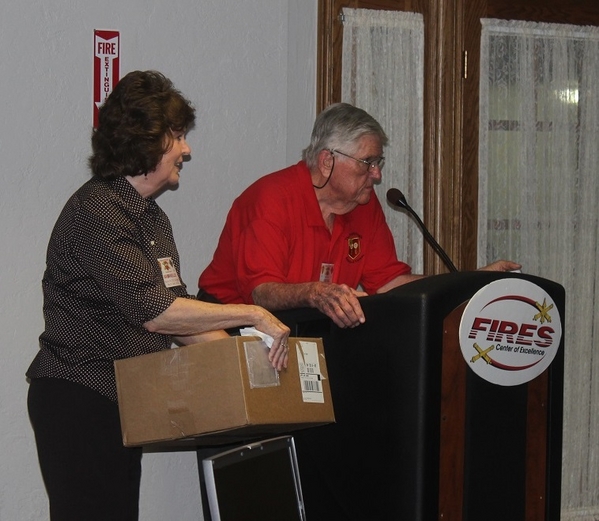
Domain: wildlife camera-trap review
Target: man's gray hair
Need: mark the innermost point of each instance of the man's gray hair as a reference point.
(339, 126)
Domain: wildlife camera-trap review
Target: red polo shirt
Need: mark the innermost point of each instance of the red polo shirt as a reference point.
(275, 232)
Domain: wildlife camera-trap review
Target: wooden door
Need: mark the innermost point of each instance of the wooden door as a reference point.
(576, 12)
(436, 95)
(451, 63)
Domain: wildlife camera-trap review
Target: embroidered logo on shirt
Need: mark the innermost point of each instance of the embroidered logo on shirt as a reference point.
(354, 247)
(169, 273)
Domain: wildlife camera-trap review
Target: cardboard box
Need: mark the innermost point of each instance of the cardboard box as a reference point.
(222, 392)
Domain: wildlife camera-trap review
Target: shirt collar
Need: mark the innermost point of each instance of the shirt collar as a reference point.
(309, 200)
(132, 197)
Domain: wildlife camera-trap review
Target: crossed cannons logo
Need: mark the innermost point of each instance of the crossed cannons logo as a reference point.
(510, 331)
(504, 328)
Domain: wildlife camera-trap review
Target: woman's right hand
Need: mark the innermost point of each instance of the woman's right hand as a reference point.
(267, 323)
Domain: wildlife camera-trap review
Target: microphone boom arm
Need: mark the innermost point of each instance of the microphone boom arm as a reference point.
(396, 198)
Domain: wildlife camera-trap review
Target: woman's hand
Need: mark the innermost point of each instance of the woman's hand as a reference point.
(272, 326)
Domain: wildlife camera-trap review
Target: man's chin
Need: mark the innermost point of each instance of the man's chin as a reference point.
(365, 198)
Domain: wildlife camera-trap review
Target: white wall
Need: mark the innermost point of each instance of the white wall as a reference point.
(249, 67)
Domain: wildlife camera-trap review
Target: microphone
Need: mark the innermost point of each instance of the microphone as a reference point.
(396, 198)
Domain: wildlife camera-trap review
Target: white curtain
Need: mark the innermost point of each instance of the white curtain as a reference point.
(383, 56)
(539, 204)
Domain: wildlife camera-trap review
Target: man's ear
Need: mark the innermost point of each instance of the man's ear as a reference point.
(325, 162)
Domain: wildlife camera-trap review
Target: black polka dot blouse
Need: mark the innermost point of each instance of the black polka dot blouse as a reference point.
(111, 266)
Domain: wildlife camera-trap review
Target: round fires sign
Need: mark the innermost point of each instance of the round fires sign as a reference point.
(510, 331)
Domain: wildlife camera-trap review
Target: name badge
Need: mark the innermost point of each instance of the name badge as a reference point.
(169, 273)
(326, 272)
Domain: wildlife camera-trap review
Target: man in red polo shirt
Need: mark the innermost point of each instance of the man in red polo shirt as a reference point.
(312, 234)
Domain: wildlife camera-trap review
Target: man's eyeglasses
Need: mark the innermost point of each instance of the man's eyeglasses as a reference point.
(371, 163)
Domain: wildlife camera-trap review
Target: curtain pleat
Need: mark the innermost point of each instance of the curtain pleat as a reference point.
(383, 70)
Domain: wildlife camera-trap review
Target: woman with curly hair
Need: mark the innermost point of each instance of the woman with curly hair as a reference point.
(112, 289)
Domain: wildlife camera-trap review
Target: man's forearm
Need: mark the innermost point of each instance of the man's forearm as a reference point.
(399, 281)
(338, 301)
(276, 296)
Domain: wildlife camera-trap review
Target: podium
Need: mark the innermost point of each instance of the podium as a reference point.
(419, 435)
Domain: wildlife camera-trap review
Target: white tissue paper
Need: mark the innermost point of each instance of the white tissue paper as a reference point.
(250, 331)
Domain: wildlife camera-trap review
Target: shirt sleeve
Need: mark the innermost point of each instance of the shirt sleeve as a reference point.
(263, 256)
(113, 252)
(381, 264)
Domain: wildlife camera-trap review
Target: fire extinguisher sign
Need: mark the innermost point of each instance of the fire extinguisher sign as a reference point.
(106, 66)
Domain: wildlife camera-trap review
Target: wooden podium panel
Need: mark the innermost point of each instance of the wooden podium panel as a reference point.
(523, 494)
(419, 436)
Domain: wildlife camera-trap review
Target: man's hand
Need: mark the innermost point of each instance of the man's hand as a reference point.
(337, 301)
(340, 303)
(502, 265)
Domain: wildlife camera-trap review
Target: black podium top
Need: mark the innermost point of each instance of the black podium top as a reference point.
(380, 460)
